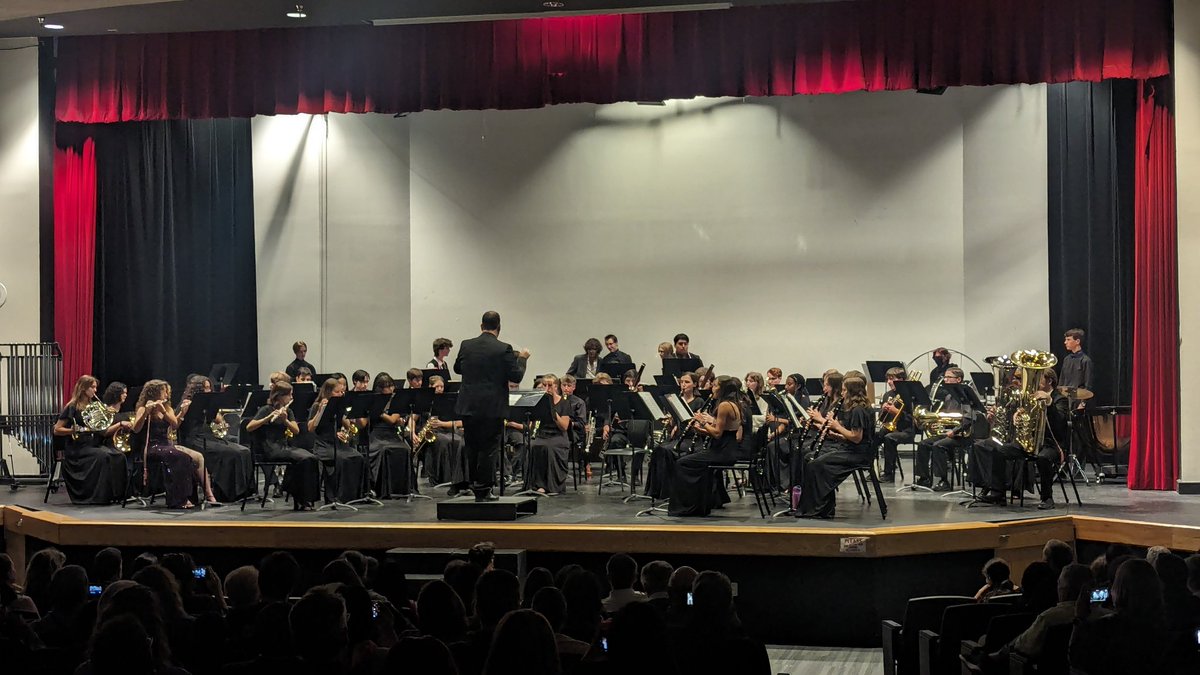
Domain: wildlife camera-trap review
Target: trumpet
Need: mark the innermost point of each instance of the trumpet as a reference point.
(889, 424)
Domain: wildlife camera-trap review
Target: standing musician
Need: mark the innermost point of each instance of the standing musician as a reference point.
(487, 366)
(681, 348)
(549, 452)
(389, 456)
(692, 493)
(849, 445)
(904, 431)
(343, 464)
(441, 349)
(415, 378)
(444, 459)
(93, 472)
(941, 356)
(934, 453)
(1076, 370)
(587, 364)
(184, 468)
(300, 350)
(269, 432)
(230, 467)
(989, 459)
(614, 355)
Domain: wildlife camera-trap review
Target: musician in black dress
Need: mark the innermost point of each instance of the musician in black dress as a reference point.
(115, 395)
(693, 493)
(300, 349)
(806, 438)
(343, 464)
(848, 444)
(989, 465)
(677, 442)
(549, 451)
(270, 431)
(446, 460)
(904, 431)
(93, 472)
(229, 464)
(184, 468)
(389, 452)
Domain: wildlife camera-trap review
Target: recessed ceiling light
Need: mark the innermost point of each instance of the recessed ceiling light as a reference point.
(112, 30)
(554, 4)
(49, 26)
(298, 13)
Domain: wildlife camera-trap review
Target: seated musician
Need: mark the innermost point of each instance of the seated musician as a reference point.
(794, 385)
(93, 471)
(549, 451)
(441, 349)
(676, 442)
(587, 364)
(389, 454)
(774, 378)
(415, 378)
(270, 429)
(806, 438)
(361, 380)
(692, 491)
(304, 375)
(934, 453)
(848, 444)
(989, 459)
(665, 351)
(279, 376)
(446, 461)
(230, 467)
(602, 378)
(342, 463)
(514, 446)
(579, 414)
(904, 430)
(765, 426)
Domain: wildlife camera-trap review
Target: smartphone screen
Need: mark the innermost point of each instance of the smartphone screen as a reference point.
(690, 599)
(374, 610)
(199, 573)
(95, 590)
(1100, 595)
(604, 643)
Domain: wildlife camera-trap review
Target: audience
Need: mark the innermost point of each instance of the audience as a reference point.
(996, 580)
(497, 593)
(1058, 554)
(550, 603)
(523, 644)
(622, 572)
(656, 579)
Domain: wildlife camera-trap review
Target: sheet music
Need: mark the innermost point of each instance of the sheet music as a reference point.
(678, 407)
(656, 412)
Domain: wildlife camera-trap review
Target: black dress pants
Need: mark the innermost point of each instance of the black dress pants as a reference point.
(482, 438)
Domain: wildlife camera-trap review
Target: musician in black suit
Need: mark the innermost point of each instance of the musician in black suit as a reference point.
(587, 364)
(614, 355)
(487, 365)
(681, 348)
(300, 349)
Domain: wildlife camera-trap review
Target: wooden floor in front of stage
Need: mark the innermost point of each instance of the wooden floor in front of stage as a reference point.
(917, 522)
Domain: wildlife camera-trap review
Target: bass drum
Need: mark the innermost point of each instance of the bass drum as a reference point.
(1101, 436)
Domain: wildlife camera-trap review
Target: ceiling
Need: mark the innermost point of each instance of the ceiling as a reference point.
(18, 18)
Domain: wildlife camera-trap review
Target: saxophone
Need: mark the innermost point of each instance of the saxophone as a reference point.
(425, 436)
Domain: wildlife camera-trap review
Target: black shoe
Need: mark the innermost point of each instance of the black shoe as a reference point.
(486, 496)
(887, 478)
(942, 486)
(1047, 504)
(924, 482)
(992, 497)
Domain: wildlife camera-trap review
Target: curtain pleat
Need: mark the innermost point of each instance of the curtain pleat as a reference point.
(74, 258)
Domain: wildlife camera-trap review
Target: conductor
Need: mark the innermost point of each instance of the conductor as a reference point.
(487, 365)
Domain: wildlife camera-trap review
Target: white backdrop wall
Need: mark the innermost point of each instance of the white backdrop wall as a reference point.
(803, 232)
(1187, 148)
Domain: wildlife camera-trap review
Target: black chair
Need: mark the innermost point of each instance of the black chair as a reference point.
(1027, 470)
(1053, 659)
(625, 464)
(862, 475)
(900, 639)
(938, 652)
(1001, 630)
(57, 447)
(270, 471)
(743, 474)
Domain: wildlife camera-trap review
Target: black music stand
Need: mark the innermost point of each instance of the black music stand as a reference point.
(676, 367)
(814, 386)
(582, 386)
(336, 410)
(221, 375)
(666, 381)
(985, 383)
(617, 370)
(914, 395)
(877, 372)
(443, 408)
(358, 406)
(522, 408)
(427, 373)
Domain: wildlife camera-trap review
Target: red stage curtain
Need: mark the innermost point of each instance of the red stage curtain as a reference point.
(74, 258)
(782, 50)
(1154, 449)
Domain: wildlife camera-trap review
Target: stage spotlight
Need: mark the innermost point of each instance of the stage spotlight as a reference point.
(49, 26)
(298, 13)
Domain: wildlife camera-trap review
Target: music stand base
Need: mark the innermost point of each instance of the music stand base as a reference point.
(333, 506)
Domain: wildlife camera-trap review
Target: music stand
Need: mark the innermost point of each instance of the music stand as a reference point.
(665, 381)
(427, 373)
(336, 410)
(525, 407)
(442, 407)
(814, 386)
(617, 370)
(677, 367)
(914, 396)
(358, 406)
(985, 383)
(222, 374)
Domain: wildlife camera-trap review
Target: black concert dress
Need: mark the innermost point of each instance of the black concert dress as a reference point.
(229, 465)
(179, 468)
(94, 473)
(302, 478)
(389, 456)
(445, 457)
(692, 493)
(343, 481)
(549, 453)
(836, 460)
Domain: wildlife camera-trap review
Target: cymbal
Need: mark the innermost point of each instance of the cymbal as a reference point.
(1075, 393)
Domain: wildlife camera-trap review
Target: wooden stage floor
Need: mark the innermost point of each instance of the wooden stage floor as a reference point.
(917, 523)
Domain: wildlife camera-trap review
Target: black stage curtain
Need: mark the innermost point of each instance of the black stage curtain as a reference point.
(1090, 155)
(175, 279)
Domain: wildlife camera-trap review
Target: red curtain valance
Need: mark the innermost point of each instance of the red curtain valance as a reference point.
(528, 63)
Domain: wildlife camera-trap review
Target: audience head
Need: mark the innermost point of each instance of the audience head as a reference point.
(482, 555)
(142, 604)
(537, 579)
(359, 615)
(1058, 554)
(180, 565)
(1137, 592)
(996, 571)
(122, 646)
(143, 560)
(39, 571)
(278, 575)
(340, 571)
(680, 585)
(358, 562)
(1153, 552)
(106, 566)
(165, 588)
(622, 571)
(1172, 572)
(656, 577)
(550, 603)
(241, 586)
(1193, 565)
(1099, 568)
(318, 625)
(712, 600)
(1071, 581)
(636, 638)
(584, 605)
(68, 588)
(1038, 587)
(497, 593)
(440, 612)
(523, 643)
(566, 572)
(462, 575)
(424, 655)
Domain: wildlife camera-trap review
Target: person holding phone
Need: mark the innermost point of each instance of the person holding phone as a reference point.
(1130, 639)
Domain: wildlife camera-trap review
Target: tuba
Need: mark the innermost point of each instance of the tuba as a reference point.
(1029, 420)
(935, 422)
(1007, 397)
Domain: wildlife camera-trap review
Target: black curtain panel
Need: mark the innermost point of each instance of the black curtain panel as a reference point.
(1090, 157)
(175, 279)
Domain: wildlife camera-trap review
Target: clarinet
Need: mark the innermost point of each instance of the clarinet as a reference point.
(837, 407)
(690, 432)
